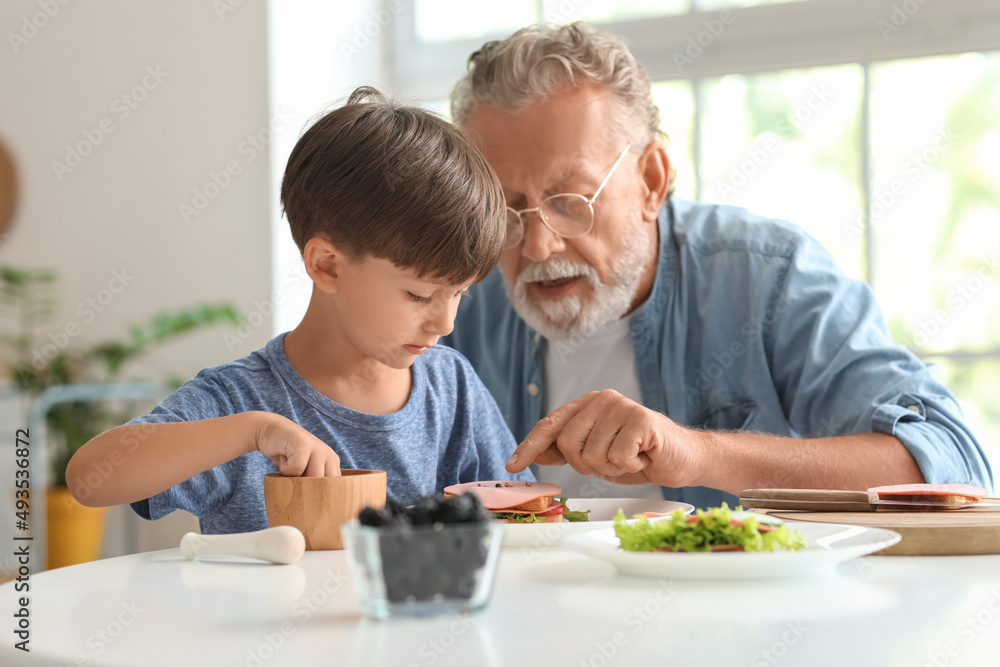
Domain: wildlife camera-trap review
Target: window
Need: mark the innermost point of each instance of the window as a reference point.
(870, 123)
(785, 145)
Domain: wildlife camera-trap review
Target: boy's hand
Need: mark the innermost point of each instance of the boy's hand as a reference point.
(296, 451)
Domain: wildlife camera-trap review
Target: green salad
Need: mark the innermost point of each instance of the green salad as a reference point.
(716, 529)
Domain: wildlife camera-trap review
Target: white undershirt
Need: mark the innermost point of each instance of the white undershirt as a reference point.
(572, 368)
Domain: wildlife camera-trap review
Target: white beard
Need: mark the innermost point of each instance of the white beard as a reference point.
(571, 317)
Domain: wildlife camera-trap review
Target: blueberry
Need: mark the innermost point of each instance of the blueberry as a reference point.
(460, 586)
(419, 563)
(426, 510)
(435, 580)
(370, 516)
(401, 583)
(392, 514)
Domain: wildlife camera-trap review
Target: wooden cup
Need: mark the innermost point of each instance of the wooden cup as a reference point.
(319, 505)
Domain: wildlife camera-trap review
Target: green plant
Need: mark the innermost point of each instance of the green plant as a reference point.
(37, 362)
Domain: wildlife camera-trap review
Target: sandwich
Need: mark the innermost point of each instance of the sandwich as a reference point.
(513, 501)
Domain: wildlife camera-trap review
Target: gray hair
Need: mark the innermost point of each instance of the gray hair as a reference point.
(535, 61)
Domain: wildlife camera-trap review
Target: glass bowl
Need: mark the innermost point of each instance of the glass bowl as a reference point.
(423, 570)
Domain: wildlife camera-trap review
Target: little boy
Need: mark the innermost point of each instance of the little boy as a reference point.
(396, 214)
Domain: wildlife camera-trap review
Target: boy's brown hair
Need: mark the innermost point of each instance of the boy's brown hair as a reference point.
(379, 179)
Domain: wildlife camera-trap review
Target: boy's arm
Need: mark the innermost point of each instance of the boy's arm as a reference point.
(137, 461)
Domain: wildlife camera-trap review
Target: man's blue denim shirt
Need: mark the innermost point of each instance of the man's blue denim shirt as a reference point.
(750, 326)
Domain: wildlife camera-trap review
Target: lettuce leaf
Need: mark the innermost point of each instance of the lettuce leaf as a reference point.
(518, 518)
(715, 526)
(574, 515)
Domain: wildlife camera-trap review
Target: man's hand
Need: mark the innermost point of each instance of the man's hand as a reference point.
(612, 437)
(296, 451)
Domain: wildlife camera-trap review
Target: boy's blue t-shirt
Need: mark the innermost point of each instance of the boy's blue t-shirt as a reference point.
(450, 431)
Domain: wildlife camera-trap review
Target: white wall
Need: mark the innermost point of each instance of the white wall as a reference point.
(117, 210)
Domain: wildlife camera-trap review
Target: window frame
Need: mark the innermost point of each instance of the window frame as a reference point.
(795, 35)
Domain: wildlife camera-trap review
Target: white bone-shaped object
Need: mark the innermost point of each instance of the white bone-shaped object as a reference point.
(278, 544)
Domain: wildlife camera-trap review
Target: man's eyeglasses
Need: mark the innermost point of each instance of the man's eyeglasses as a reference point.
(568, 215)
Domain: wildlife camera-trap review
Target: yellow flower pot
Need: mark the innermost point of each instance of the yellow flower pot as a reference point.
(75, 531)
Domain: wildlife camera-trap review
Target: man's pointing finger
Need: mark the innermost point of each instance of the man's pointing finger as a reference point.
(543, 437)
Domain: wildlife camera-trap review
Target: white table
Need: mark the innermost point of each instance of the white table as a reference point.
(550, 607)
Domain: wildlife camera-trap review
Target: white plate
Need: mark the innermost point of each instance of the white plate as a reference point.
(602, 511)
(828, 543)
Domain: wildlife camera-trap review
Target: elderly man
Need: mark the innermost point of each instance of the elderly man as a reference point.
(695, 349)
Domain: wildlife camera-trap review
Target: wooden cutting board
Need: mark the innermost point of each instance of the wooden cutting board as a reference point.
(947, 533)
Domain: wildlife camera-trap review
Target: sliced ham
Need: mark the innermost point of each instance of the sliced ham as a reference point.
(929, 491)
(499, 495)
